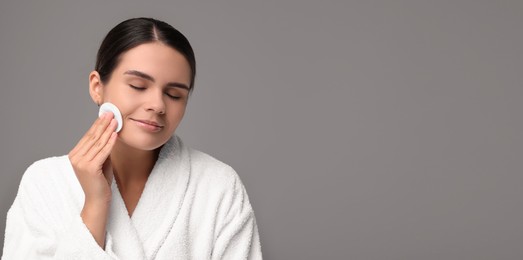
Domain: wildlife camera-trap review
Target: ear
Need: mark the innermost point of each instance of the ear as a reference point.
(96, 88)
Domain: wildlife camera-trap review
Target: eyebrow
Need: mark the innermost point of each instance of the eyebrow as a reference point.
(150, 78)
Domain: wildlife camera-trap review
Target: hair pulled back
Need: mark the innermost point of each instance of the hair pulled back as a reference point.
(133, 32)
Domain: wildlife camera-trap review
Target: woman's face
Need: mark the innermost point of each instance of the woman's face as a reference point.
(150, 87)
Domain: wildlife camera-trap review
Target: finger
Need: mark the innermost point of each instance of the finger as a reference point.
(102, 141)
(92, 136)
(84, 138)
(80, 147)
(104, 153)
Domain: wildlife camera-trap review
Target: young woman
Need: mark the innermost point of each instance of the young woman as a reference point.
(139, 193)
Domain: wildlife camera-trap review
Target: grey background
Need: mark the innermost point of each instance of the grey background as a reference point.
(361, 129)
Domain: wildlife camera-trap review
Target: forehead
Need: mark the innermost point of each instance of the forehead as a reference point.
(162, 62)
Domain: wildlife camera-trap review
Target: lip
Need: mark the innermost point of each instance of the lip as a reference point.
(150, 126)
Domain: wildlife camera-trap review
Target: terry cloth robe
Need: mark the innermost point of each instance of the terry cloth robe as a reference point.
(192, 207)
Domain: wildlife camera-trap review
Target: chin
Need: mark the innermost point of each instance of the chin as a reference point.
(145, 143)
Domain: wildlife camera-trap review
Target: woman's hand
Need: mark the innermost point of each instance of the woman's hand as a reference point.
(91, 163)
(92, 166)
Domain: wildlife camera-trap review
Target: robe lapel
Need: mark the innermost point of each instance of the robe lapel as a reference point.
(162, 197)
(125, 241)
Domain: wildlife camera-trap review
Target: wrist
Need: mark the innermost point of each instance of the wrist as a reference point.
(98, 201)
(96, 206)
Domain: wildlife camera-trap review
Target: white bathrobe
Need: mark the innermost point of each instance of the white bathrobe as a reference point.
(192, 207)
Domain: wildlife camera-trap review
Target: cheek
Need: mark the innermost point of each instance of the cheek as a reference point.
(121, 98)
(111, 93)
(176, 114)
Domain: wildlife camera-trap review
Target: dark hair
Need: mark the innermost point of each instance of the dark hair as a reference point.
(133, 32)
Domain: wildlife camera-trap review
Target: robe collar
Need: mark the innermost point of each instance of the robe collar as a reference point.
(142, 235)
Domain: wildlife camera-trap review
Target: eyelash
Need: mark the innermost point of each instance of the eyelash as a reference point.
(137, 88)
(142, 89)
(173, 97)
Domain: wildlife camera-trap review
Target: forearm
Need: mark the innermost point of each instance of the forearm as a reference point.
(94, 215)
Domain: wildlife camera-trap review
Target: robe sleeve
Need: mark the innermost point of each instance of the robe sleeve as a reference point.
(30, 235)
(238, 236)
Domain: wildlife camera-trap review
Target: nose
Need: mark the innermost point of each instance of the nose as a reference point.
(155, 102)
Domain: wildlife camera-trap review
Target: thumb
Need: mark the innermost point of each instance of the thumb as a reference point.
(107, 170)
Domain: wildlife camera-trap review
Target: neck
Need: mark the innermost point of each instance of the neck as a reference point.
(132, 166)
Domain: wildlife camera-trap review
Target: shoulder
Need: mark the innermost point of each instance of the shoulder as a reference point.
(45, 188)
(49, 193)
(46, 174)
(219, 185)
(204, 161)
(45, 168)
(208, 171)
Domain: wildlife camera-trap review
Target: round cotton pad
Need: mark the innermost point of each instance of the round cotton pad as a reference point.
(109, 107)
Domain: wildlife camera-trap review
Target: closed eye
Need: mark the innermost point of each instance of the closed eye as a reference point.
(144, 88)
(173, 97)
(137, 88)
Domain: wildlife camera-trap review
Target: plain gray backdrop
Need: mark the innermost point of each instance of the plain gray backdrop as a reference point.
(361, 129)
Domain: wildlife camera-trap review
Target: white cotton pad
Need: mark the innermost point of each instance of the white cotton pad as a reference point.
(109, 107)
